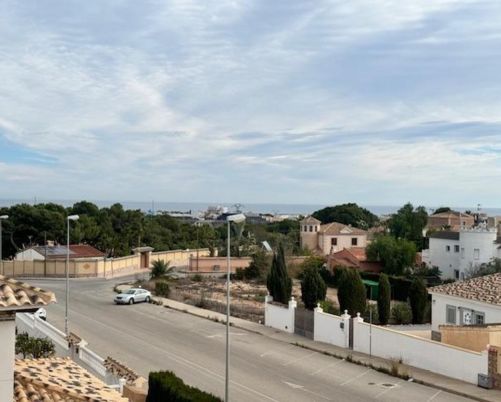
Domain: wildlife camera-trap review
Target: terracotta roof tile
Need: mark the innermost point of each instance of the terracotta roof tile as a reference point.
(310, 220)
(59, 380)
(19, 294)
(486, 289)
(336, 228)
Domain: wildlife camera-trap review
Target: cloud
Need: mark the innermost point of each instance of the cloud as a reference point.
(263, 101)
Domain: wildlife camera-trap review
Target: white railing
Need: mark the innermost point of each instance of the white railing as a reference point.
(93, 360)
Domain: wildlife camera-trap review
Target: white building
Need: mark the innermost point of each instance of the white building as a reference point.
(456, 253)
(469, 302)
(331, 237)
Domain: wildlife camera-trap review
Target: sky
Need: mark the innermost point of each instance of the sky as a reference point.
(284, 101)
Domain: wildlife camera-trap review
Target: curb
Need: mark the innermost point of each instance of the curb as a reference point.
(324, 352)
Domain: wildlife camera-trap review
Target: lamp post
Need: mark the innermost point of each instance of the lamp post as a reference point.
(2, 217)
(237, 218)
(68, 219)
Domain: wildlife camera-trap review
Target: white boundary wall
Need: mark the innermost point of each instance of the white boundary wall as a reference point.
(331, 328)
(434, 356)
(38, 328)
(278, 316)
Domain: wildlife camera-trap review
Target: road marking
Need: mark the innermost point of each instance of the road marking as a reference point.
(319, 395)
(434, 395)
(384, 391)
(355, 378)
(298, 359)
(292, 385)
(326, 367)
(214, 336)
(302, 388)
(269, 352)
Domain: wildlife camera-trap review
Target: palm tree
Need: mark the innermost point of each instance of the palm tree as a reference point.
(161, 269)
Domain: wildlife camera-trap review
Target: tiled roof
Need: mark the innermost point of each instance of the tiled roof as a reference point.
(445, 234)
(57, 380)
(19, 295)
(486, 289)
(310, 220)
(76, 251)
(336, 228)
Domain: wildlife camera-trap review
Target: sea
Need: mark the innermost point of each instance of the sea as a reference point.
(195, 207)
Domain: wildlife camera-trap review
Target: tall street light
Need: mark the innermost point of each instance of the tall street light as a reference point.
(237, 218)
(68, 219)
(2, 217)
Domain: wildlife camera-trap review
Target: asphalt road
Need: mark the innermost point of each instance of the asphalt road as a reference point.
(148, 337)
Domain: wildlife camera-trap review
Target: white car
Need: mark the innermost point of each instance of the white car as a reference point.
(133, 295)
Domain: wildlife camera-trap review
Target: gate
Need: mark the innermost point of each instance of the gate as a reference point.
(350, 334)
(304, 322)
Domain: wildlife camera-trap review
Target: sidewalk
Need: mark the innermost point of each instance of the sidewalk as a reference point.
(418, 375)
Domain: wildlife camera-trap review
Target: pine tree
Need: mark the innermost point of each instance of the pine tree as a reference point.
(418, 296)
(351, 292)
(313, 288)
(278, 282)
(384, 299)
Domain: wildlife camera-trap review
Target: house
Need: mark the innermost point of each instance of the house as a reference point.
(457, 253)
(354, 257)
(331, 237)
(58, 252)
(475, 301)
(450, 220)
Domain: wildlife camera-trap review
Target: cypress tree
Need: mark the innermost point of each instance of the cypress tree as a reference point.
(279, 283)
(351, 292)
(418, 296)
(313, 288)
(384, 299)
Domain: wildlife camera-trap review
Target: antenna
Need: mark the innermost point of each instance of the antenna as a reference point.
(238, 207)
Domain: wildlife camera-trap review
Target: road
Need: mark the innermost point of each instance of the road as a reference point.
(148, 337)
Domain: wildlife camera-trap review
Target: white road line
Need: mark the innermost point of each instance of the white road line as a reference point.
(434, 396)
(314, 393)
(298, 359)
(355, 378)
(269, 352)
(326, 367)
(384, 391)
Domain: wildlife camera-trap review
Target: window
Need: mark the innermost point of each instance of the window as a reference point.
(305, 228)
(462, 252)
(315, 228)
(456, 248)
(476, 253)
(311, 228)
(479, 318)
(334, 241)
(354, 241)
(448, 248)
(456, 273)
(450, 315)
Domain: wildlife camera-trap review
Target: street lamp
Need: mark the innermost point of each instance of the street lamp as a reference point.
(2, 217)
(68, 219)
(237, 218)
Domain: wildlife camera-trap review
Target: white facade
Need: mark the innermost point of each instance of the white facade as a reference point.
(455, 257)
(449, 310)
(29, 254)
(8, 337)
(334, 243)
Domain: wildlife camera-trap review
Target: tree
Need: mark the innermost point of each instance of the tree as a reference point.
(279, 283)
(418, 297)
(384, 299)
(313, 288)
(34, 348)
(395, 254)
(408, 223)
(258, 267)
(348, 214)
(442, 209)
(351, 292)
(160, 268)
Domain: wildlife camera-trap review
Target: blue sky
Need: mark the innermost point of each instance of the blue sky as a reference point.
(378, 102)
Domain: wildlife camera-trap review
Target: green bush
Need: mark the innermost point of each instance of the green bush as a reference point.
(401, 313)
(384, 299)
(162, 289)
(239, 274)
(329, 307)
(279, 283)
(313, 287)
(166, 386)
(34, 348)
(197, 278)
(399, 285)
(375, 315)
(418, 296)
(351, 293)
(160, 268)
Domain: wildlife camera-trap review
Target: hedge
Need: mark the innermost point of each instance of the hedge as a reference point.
(165, 386)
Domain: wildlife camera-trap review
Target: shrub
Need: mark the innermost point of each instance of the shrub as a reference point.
(162, 289)
(166, 386)
(375, 315)
(329, 307)
(197, 278)
(258, 267)
(239, 274)
(384, 300)
(418, 297)
(401, 313)
(34, 348)
(159, 268)
(279, 283)
(351, 292)
(313, 287)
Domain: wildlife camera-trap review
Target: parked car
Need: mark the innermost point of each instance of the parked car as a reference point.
(133, 295)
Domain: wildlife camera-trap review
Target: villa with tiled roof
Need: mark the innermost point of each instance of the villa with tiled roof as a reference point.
(469, 302)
